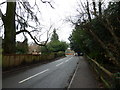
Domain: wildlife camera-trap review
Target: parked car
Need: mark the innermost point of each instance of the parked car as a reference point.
(75, 54)
(80, 54)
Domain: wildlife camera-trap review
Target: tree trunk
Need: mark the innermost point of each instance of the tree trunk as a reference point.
(10, 31)
(109, 54)
(94, 8)
(88, 12)
(100, 9)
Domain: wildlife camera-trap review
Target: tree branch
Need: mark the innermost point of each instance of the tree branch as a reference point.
(2, 3)
(2, 16)
(48, 3)
(34, 38)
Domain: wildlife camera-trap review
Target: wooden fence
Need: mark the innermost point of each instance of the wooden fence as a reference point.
(14, 60)
(110, 80)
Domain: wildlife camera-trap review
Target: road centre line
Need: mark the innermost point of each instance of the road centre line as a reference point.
(59, 64)
(41, 72)
(62, 62)
(33, 76)
(68, 59)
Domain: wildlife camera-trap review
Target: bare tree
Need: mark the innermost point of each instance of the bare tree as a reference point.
(16, 21)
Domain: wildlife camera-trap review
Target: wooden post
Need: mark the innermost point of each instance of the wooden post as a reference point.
(116, 82)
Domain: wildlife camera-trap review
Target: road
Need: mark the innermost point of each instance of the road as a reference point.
(55, 74)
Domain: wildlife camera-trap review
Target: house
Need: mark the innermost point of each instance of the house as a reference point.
(34, 49)
(69, 52)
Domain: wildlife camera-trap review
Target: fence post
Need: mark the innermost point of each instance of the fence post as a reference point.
(116, 82)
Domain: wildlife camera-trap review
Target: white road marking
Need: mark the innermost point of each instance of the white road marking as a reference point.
(73, 77)
(68, 59)
(33, 76)
(41, 72)
(62, 62)
(59, 64)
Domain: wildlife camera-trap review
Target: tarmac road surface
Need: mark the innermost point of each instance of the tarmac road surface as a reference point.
(55, 74)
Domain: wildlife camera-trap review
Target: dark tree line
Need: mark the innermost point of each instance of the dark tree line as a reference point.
(98, 35)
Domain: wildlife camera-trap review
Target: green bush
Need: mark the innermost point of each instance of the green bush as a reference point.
(61, 53)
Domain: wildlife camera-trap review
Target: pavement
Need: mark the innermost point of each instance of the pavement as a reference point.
(83, 76)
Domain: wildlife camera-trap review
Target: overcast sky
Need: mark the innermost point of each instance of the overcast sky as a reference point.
(62, 10)
(57, 16)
